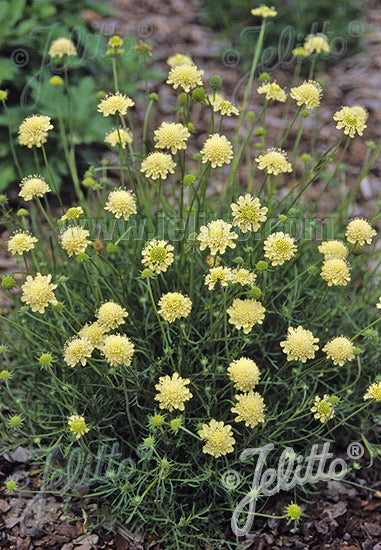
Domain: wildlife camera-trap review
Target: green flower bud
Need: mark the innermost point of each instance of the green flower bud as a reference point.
(370, 144)
(157, 420)
(238, 260)
(15, 421)
(305, 113)
(215, 83)
(45, 359)
(198, 95)
(83, 257)
(22, 212)
(11, 485)
(153, 96)
(190, 127)
(60, 223)
(112, 248)
(56, 80)
(62, 279)
(357, 351)
(312, 270)
(164, 463)
(261, 265)
(58, 307)
(260, 132)
(264, 77)
(333, 399)
(8, 283)
(255, 293)
(88, 182)
(3, 199)
(282, 218)
(189, 179)
(175, 423)
(306, 157)
(197, 156)
(148, 442)
(5, 374)
(101, 94)
(147, 273)
(3, 95)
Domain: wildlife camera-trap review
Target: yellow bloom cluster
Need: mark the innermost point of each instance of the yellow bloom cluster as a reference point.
(77, 350)
(335, 271)
(174, 305)
(111, 315)
(119, 137)
(74, 240)
(279, 247)
(62, 46)
(38, 292)
(173, 392)
(359, 231)
(33, 131)
(118, 350)
(316, 43)
(248, 213)
(244, 373)
(332, 249)
(33, 186)
(179, 59)
(94, 333)
(243, 277)
(157, 165)
(300, 344)
(121, 203)
(72, 213)
(77, 425)
(274, 161)
(264, 11)
(374, 392)
(115, 104)
(216, 235)
(217, 150)
(272, 90)
(340, 349)
(222, 275)
(349, 119)
(219, 438)
(157, 256)
(307, 94)
(245, 314)
(323, 409)
(171, 135)
(21, 242)
(249, 408)
(186, 76)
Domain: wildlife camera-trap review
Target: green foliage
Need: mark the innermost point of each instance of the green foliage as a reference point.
(341, 21)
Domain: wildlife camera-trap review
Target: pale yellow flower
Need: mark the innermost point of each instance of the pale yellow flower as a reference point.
(219, 438)
(335, 271)
(316, 43)
(264, 11)
(359, 231)
(115, 103)
(279, 247)
(33, 186)
(172, 392)
(77, 350)
(173, 306)
(245, 314)
(217, 150)
(323, 409)
(300, 344)
(374, 392)
(74, 240)
(340, 349)
(179, 59)
(244, 373)
(111, 315)
(72, 213)
(171, 135)
(62, 46)
(121, 203)
(157, 255)
(119, 137)
(249, 408)
(33, 131)
(186, 76)
(78, 426)
(21, 242)
(94, 333)
(222, 275)
(307, 94)
(217, 235)
(274, 161)
(350, 120)
(272, 90)
(248, 213)
(157, 165)
(118, 350)
(38, 292)
(332, 249)
(243, 277)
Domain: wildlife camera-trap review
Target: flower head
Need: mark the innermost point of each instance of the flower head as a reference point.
(157, 165)
(316, 43)
(378, 306)
(179, 59)
(350, 119)
(171, 135)
(222, 275)
(272, 90)
(111, 315)
(121, 203)
(274, 161)
(264, 11)
(94, 333)
(33, 186)
(186, 76)
(293, 511)
(217, 150)
(219, 438)
(217, 235)
(359, 231)
(74, 240)
(174, 305)
(38, 292)
(332, 249)
(118, 350)
(21, 242)
(72, 213)
(172, 392)
(323, 408)
(221, 105)
(335, 271)
(245, 314)
(115, 103)
(307, 94)
(243, 277)
(77, 425)
(121, 137)
(157, 256)
(299, 52)
(244, 373)
(279, 247)
(62, 46)
(360, 112)
(300, 344)
(339, 349)
(77, 350)
(33, 130)
(248, 213)
(249, 408)
(374, 392)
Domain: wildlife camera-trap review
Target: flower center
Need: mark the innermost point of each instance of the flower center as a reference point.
(78, 425)
(249, 213)
(377, 394)
(282, 245)
(158, 254)
(324, 408)
(351, 120)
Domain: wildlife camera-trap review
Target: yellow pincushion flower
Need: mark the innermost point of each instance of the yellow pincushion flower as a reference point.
(299, 52)
(339, 349)
(33, 186)
(77, 425)
(264, 11)
(248, 213)
(274, 161)
(332, 249)
(74, 240)
(360, 112)
(243, 277)
(244, 373)
(272, 90)
(118, 350)
(157, 165)
(111, 315)
(217, 235)
(115, 103)
(157, 256)
(374, 392)
(171, 135)
(249, 408)
(219, 438)
(121, 137)
(173, 392)
(307, 94)
(378, 306)
(293, 511)
(77, 350)
(217, 150)
(221, 105)
(279, 247)
(94, 333)
(245, 314)
(335, 271)
(33, 131)
(179, 59)
(323, 409)
(62, 46)
(300, 344)
(121, 203)
(186, 76)
(350, 120)
(38, 292)
(222, 275)
(72, 213)
(174, 305)
(21, 242)
(359, 231)
(316, 43)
